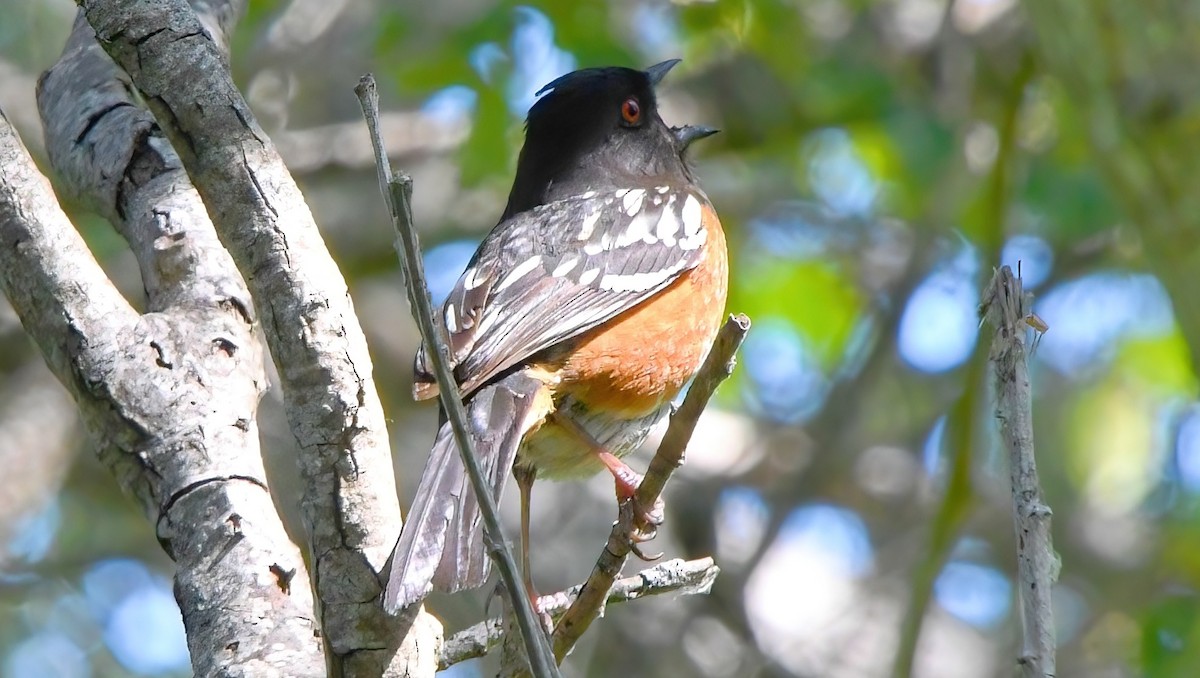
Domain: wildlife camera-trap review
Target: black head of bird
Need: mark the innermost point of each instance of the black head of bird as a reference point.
(598, 129)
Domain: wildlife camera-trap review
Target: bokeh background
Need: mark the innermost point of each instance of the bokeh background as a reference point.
(877, 160)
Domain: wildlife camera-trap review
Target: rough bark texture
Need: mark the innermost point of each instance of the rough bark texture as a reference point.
(169, 399)
(169, 396)
(349, 505)
(1037, 563)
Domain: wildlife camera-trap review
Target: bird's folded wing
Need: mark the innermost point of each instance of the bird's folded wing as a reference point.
(561, 269)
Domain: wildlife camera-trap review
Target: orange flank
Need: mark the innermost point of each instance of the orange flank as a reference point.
(637, 362)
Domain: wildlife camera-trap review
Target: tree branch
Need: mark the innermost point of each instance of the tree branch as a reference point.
(349, 505)
(961, 424)
(683, 577)
(717, 367)
(398, 193)
(163, 396)
(1006, 307)
(172, 405)
(111, 154)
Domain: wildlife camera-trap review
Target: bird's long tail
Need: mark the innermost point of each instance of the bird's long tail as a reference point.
(441, 545)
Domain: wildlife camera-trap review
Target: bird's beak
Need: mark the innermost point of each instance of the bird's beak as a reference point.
(684, 136)
(658, 71)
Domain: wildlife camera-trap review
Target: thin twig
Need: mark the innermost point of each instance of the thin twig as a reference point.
(717, 367)
(398, 192)
(1005, 307)
(956, 503)
(682, 577)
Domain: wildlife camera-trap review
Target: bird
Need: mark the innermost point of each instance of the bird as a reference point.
(581, 315)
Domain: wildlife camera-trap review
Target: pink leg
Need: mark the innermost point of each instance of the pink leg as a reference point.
(525, 477)
(645, 520)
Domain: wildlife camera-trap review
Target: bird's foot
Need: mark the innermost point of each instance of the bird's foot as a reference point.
(642, 521)
(535, 602)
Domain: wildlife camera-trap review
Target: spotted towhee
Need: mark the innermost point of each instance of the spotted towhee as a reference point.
(581, 315)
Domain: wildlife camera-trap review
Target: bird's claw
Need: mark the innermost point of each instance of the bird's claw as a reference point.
(637, 551)
(641, 525)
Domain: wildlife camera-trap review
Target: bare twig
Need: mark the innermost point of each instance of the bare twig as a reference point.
(682, 577)
(1006, 308)
(398, 192)
(956, 503)
(592, 596)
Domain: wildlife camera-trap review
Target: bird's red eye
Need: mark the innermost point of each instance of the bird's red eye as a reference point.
(631, 111)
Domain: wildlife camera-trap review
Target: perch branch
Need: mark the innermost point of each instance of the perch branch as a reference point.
(682, 577)
(592, 596)
(1006, 308)
(397, 191)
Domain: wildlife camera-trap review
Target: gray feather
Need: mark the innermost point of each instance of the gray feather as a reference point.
(442, 544)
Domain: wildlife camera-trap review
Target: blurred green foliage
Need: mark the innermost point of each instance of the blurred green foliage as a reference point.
(961, 125)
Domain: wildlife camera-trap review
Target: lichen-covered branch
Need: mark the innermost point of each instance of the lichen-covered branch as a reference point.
(349, 505)
(169, 398)
(680, 577)
(1006, 308)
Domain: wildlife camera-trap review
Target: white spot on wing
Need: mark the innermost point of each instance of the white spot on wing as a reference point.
(621, 192)
(451, 319)
(637, 230)
(638, 282)
(633, 201)
(564, 267)
(473, 279)
(662, 189)
(520, 271)
(668, 224)
(694, 241)
(593, 248)
(693, 224)
(587, 195)
(588, 276)
(692, 216)
(589, 225)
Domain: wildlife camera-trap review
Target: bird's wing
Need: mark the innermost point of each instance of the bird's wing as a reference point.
(556, 271)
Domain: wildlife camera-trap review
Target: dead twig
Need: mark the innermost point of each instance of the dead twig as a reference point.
(1005, 306)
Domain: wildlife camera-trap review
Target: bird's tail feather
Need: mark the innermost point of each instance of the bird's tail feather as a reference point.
(442, 545)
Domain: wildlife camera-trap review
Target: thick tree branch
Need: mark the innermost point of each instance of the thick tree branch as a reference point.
(111, 154)
(169, 401)
(58, 290)
(682, 577)
(717, 367)
(1006, 308)
(349, 503)
(173, 408)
